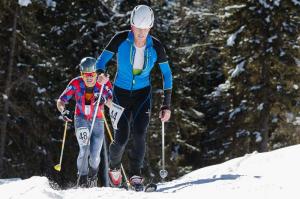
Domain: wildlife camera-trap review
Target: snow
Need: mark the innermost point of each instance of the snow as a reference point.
(57, 29)
(51, 3)
(232, 37)
(297, 121)
(41, 90)
(296, 2)
(258, 137)
(295, 86)
(238, 69)
(267, 19)
(257, 87)
(4, 181)
(227, 8)
(257, 175)
(289, 117)
(242, 133)
(270, 40)
(39, 102)
(197, 113)
(100, 24)
(221, 88)
(5, 97)
(282, 53)
(269, 5)
(234, 112)
(279, 88)
(297, 61)
(260, 107)
(277, 3)
(275, 120)
(269, 49)
(24, 3)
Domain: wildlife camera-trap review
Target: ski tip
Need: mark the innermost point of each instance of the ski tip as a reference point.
(151, 187)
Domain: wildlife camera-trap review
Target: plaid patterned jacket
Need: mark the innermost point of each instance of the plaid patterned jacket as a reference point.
(76, 88)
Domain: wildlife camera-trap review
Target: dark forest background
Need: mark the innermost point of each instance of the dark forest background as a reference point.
(236, 79)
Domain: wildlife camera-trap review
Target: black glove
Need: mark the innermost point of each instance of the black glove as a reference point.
(66, 116)
(166, 103)
(102, 100)
(164, 107)
(99, 71)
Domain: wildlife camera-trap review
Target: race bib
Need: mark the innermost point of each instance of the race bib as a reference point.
(83, 134)
(115, 113)
(87, 110)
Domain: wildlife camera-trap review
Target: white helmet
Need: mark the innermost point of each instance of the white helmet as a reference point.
(142, 16)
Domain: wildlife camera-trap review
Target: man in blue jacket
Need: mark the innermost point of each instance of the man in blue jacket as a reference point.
(137, 53)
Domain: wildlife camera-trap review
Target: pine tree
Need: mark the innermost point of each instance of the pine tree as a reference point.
(7, 89)
(50, 41)
(262, 81)
(189, 33)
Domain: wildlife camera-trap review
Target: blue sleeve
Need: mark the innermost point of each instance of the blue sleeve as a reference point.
(111, 49)
(167, 75)
(102, 60)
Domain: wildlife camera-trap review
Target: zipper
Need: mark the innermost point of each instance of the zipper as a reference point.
(146, 63)
(132, 54)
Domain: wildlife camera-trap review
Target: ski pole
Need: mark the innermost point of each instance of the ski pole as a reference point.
(107, 128)
(91, 130)
(163, 172)
(111, 140)
(104, 155)
(58, 166)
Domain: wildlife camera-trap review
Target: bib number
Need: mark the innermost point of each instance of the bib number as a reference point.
(87, 110)
(82, 134)
(115, 113)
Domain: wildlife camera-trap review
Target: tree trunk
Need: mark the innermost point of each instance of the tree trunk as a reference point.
(7, 90)
(265, 112)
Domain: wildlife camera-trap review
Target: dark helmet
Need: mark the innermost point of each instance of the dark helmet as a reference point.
(87, 65)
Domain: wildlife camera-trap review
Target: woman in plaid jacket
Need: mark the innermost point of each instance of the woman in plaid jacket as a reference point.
(86, 90)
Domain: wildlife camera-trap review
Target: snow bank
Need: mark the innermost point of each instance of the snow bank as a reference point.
(257, 175)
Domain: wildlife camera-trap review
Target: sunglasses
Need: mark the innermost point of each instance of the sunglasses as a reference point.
(91, 74)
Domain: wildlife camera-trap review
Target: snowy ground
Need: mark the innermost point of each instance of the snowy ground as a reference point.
(273, 175)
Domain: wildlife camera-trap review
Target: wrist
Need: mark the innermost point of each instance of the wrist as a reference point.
(166, 103)
(60, 105)
(165, 107)
(61, 109)
(99, 71)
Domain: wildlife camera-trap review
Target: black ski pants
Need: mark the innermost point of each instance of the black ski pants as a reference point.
(136, 117)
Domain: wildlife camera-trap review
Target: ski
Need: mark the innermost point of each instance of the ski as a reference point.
(151, 187)
(135, 185)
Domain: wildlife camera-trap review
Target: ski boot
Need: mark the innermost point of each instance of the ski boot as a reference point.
(92, 179)
(137, 183)
(83, 181)
(115, 177)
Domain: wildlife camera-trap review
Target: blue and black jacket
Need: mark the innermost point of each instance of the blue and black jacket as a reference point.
(122, 44)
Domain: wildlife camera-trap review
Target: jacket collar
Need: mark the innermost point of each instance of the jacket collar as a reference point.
(149, 41)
